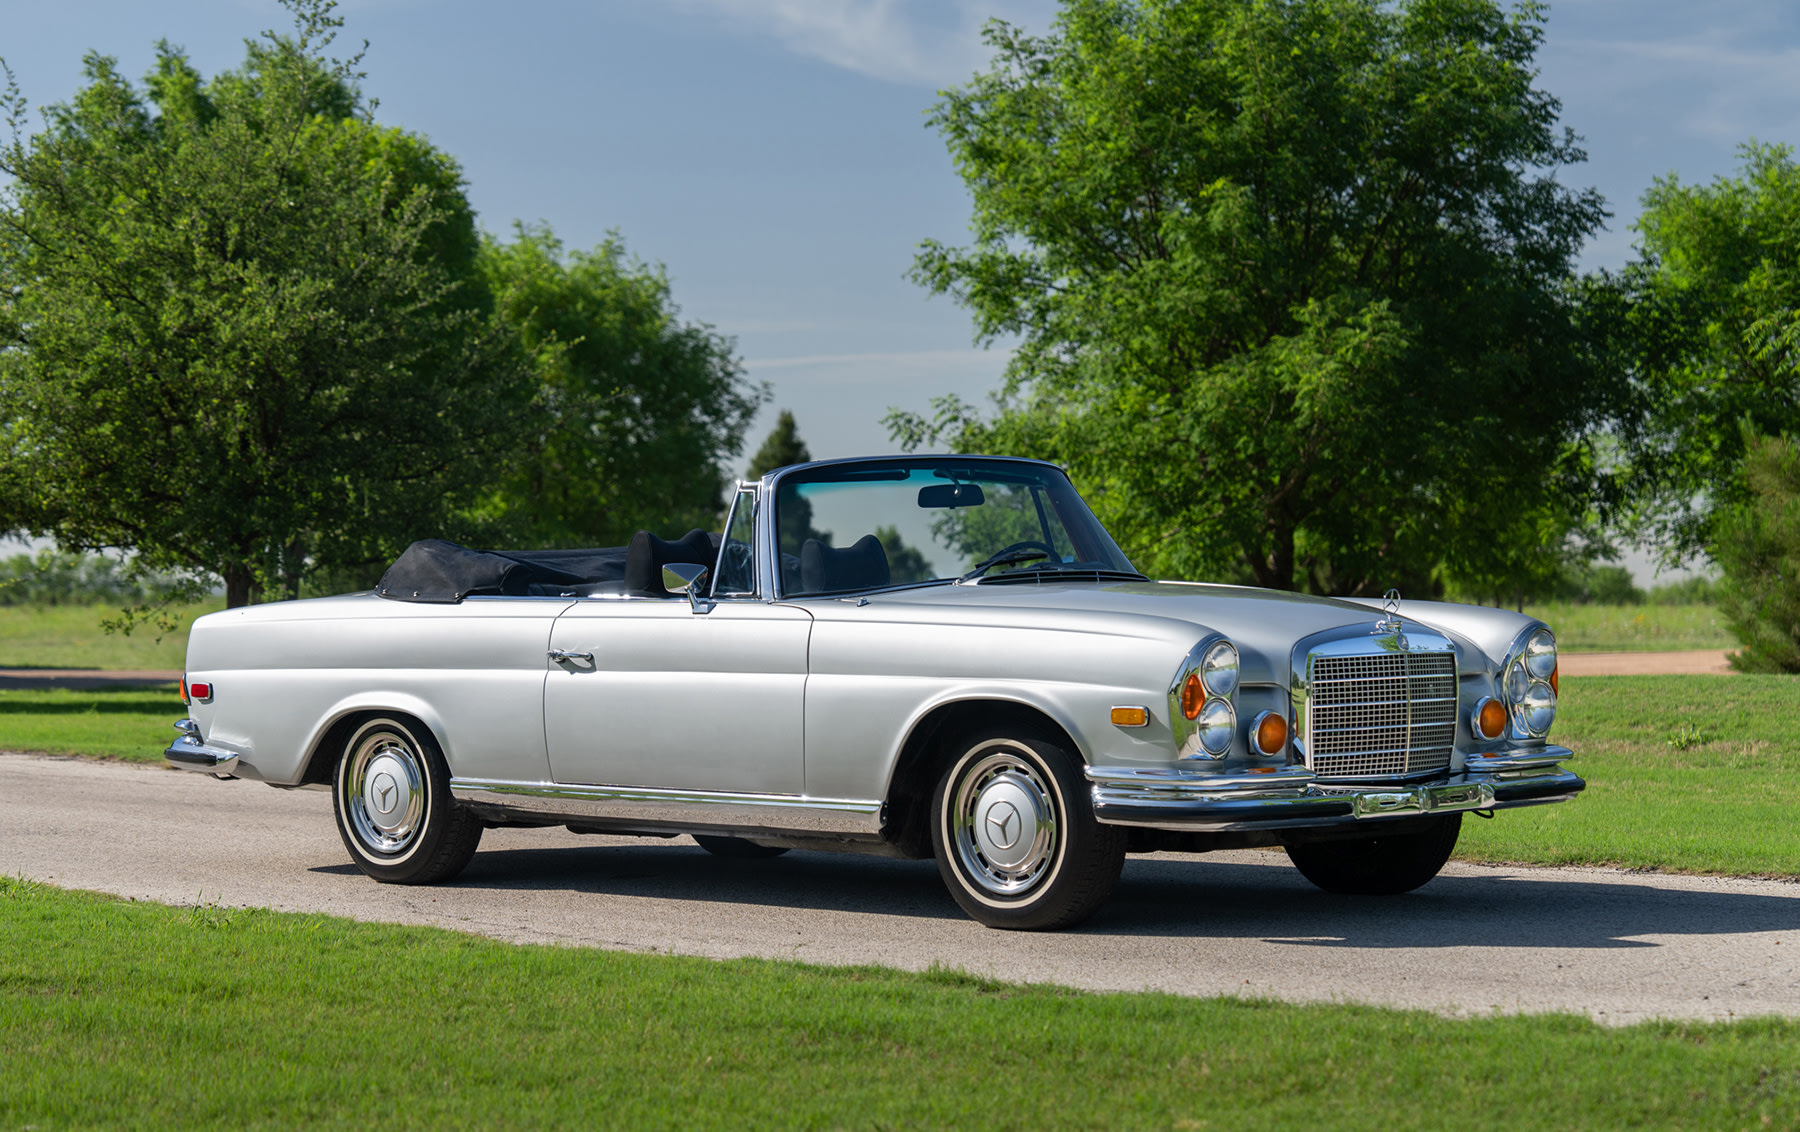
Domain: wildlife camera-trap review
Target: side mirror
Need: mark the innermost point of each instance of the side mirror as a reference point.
(688, 578)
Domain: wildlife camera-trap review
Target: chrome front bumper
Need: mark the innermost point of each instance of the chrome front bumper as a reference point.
(189, 752)
(1293, 797)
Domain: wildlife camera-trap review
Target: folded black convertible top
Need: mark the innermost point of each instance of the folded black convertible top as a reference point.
(433, 570)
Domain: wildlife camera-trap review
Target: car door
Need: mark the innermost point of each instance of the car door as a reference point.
(677, 699)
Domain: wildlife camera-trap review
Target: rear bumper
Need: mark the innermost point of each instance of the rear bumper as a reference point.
(1292, 798)
(189, 752)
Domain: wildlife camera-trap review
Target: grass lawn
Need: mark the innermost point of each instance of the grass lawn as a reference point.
(118, 723)
(1695, 773)
(115, 1013)
(70, 636)
(1635, 628)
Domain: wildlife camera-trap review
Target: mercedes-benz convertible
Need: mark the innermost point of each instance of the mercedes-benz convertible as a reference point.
(920, 656)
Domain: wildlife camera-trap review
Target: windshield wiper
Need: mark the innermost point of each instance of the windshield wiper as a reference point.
(1010, 558)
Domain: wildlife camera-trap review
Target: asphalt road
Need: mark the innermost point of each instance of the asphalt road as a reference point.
(1618, 946)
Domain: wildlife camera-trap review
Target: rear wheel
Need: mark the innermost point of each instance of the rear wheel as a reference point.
(391, 794)
(737, 848)
(1383, 865)
(1016, 841)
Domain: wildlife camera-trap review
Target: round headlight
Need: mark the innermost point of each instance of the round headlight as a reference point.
(1215, 726)
(1538, 709)
(1220, 669)
(1517, 682)
(1540, 654)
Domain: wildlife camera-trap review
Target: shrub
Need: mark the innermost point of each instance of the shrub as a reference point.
(54, 577)
(1757, 545)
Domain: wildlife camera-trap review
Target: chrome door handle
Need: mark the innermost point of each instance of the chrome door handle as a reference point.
(560, 655)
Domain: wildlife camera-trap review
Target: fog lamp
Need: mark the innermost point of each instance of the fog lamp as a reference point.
(1488, 720)
(1269, 734)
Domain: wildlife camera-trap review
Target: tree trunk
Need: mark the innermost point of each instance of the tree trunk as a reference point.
(238, 585)
(1274, 569)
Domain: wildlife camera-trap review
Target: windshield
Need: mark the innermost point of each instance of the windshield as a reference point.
(887, 523)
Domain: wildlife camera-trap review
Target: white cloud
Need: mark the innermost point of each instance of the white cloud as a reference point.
(895, 368)
(1714, 89)
(903, 41)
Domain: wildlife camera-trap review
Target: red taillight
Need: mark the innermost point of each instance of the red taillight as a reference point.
(201, 692)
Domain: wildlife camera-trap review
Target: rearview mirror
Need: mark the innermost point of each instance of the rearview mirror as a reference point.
(952, 495)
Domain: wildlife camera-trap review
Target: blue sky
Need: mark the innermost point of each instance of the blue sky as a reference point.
(773, 153)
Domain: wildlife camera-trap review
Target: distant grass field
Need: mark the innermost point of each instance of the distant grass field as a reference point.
(121, 1014)
(70, 636)
(1635, 628)
(1693, 773)
(116, 723)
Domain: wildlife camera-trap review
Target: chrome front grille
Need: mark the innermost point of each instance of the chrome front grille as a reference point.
(1381, 714)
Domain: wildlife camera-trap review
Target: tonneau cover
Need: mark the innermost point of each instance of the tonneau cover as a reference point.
(433, 570)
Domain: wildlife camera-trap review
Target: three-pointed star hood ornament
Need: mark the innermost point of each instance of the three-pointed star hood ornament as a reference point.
(1390, 613)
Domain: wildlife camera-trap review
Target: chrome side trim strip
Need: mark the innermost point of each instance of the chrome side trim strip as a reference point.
(789, 813)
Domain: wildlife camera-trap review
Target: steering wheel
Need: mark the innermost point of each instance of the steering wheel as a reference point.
(1026, 544)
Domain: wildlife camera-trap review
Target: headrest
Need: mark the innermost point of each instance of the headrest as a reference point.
(646, 555)
(863, 565)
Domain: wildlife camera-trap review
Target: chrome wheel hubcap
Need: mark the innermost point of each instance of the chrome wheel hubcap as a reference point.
(1004, 824)
(386, 792)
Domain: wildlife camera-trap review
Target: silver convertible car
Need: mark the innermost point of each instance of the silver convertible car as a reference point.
(921, 656)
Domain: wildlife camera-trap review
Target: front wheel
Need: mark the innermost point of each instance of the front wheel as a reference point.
(391, 795)
(1016, 841)
(1384, 865)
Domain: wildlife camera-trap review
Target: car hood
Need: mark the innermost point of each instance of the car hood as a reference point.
(1264, 624)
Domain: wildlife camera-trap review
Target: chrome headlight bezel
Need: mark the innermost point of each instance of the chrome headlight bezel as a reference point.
(1212, 664)
(1527, 683)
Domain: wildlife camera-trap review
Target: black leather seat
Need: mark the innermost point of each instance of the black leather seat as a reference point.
(863, 565)
(646, 555)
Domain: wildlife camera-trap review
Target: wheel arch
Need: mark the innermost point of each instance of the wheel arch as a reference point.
(324, 745)
(923, 753)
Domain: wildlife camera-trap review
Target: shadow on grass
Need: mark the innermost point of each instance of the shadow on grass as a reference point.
(1165, 897)
(134, 701)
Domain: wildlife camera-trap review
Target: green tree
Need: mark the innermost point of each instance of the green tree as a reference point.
(794, 513)
(1289, 279)
(641, 411)
(1709, 319)
(240, 335)
(1758, 548)
(780, 448)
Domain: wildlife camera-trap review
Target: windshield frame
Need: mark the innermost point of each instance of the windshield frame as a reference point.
(826, 470)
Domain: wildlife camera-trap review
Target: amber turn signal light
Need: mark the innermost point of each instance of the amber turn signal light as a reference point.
(1269, 734)
(1131, 716)
(1490, 719)
(1193, 696)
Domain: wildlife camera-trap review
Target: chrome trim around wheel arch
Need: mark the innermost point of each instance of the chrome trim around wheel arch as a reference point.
(674, 809)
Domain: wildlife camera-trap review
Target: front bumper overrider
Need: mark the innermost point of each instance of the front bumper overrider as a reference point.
(1294, 798)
